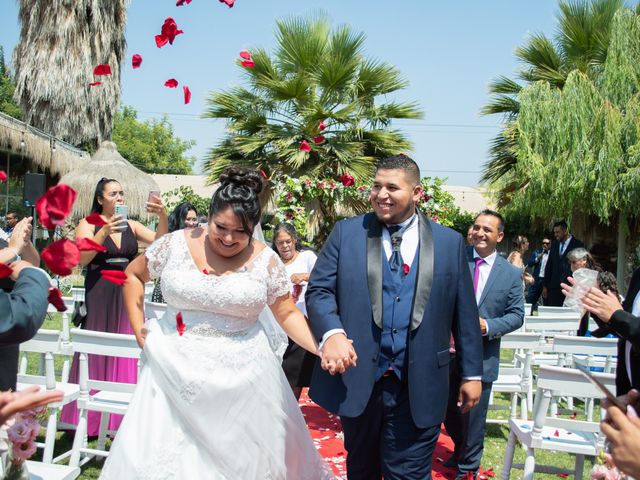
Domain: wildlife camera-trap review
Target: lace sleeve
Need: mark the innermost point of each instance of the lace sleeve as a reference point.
(157, 255)
(278, 283)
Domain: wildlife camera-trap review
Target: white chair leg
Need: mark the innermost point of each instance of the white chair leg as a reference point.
(554, 406)
(508, 457)
(104, 426)
(523, 407)
(79, 440)
(590, 403)
(50, 437)
(529, 465)
(579, 467)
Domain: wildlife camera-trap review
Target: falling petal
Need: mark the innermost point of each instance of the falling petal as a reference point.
(304, 146)
(95, 219)
(102, 69)
(248, 63)
(318, 139)
(187, 94)
(136, 61)
(61, 256)
(95, 84)
(246, 55)
(171, 83)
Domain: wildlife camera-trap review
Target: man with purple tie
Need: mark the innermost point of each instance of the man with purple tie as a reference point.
(498, 292)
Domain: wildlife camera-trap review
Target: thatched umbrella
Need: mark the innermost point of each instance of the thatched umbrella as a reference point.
(107, 162)
(60, 43)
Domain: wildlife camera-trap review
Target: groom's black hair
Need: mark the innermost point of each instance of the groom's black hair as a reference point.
(401, 162)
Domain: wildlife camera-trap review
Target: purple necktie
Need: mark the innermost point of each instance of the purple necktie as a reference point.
(476, 273)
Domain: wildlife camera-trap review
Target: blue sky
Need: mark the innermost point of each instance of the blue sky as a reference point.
(449, 52)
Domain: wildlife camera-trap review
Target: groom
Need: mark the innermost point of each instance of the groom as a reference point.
(398, 286)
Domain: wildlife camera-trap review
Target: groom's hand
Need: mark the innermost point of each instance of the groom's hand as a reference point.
(338, 354)
(469, 395)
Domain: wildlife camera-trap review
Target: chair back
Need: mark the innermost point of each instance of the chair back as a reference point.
(557, 311)
(521, 340)
(607, 347)
(551, 325)
(46, 343)
(572, 382)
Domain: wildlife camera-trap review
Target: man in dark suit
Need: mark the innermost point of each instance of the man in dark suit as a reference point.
(557, 269)
(623, 320)
(498, 292)
(538, 262)
(398, 286)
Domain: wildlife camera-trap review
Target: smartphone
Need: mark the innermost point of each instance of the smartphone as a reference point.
(610, 396)
(123, 211)
(154, 196)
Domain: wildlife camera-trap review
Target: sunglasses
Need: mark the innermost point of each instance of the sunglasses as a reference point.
(546, 243)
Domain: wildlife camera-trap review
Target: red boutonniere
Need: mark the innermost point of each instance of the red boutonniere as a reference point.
(405, 269)
(180, 326)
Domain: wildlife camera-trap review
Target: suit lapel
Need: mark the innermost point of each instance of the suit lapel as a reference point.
(495, 272)
(424, 277)
(374, 267)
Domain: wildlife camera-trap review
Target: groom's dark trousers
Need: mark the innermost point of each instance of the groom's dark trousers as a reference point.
(392, 403)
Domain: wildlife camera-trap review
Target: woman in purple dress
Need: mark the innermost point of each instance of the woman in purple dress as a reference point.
(103, 299)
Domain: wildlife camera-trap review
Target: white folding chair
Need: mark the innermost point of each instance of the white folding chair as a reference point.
(517, 378)
(584, 353)
(47, 342)
(557, 312)
(47, 471)
(110, 398)
(550, 433)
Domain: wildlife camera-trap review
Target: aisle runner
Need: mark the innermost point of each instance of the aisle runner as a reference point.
(327, 435)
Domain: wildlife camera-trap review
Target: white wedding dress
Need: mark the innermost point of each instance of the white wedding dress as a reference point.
(214, 402)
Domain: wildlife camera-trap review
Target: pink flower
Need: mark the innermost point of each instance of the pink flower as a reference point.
(288, 215)
(362, 188)
(289, 197)
(20, 432)
(320, 185)
(22, 451)
(307, 183)
(322, 126)
(332, 185)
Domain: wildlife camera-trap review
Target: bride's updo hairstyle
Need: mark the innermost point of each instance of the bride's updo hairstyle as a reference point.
(239, 189)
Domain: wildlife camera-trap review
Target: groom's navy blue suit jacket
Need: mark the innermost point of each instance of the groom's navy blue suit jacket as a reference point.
(345, 291)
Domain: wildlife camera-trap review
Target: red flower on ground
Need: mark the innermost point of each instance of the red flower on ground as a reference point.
(136, 60)
(3, 176)
(102, 69)
(229, 3)
(187, 94)
(114, 276)
(248, 63)
(180, 326)
(405, 269)
(5, 270)
(171, 83)
(347, 180)
(318, 139)
(168, 33)
(86, 244)
(55, 205)
(304, 146)
(95, 219)
(55, 299)
(322, 125)
(95, 84)
(61, 256)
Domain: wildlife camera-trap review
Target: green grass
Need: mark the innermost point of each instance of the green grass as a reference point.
(494, 449)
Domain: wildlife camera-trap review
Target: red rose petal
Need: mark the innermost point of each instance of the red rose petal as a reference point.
(180, 326)
(114, 276)
(246, 55)
(229, 3)
(318, 139)
(55, 299)
(304, 146)
(102, 69)
(179, 3)
(161, 40)
(169, 30)
(248, 63)
(55, 205)
(5, 270)
(556, 433)
(86, 244)
(322, 126)
(3, 176)
(95, 219)
(95, 84)
(61, 256)
(136, 60)
(187, 94)
(171, 83)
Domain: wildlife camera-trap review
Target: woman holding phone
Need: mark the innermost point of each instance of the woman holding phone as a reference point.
(103, 299)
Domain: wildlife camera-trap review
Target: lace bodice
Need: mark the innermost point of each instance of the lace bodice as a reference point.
(235, 299)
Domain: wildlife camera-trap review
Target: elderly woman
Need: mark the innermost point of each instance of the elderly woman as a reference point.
(580, 258)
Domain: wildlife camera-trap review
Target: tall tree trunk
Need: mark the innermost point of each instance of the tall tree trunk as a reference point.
(621, 266)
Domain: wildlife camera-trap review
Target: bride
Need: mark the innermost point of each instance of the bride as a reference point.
(212, 401)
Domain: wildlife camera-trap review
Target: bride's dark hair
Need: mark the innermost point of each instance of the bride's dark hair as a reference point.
(239, 189)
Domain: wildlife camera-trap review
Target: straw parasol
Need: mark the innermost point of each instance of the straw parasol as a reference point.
(107, 162)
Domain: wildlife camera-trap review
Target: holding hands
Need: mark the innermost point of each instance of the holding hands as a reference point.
(337, 354)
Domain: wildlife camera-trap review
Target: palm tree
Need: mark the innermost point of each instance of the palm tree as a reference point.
(60, 44)
(316, 74)
(580, 43)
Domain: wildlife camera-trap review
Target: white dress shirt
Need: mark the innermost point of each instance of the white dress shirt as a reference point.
(485, 271)
(565, 244)
(543, 263)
